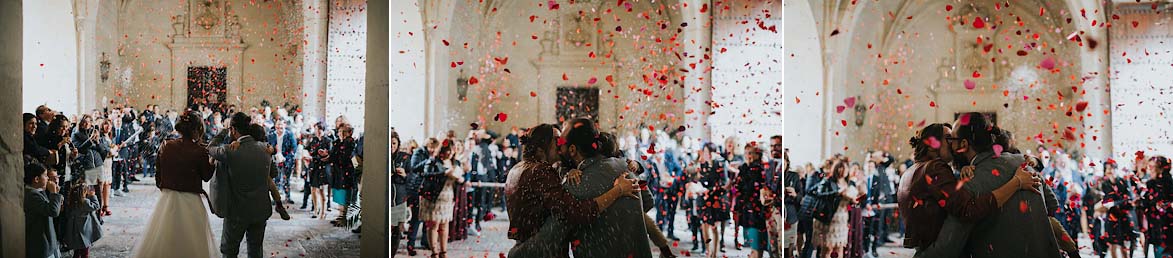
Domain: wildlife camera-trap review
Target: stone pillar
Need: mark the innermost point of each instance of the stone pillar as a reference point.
(1094, 64)
(86, 17)
(699, 83)
(409, 94)
(315, 19)
(374, 241)
(11, 137)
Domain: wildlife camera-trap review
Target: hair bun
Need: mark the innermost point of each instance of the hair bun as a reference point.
(913, 141)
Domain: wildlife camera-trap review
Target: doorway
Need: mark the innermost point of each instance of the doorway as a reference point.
(206, 86)
(576, 102)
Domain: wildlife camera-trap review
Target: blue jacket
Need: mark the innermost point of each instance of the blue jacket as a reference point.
(288, 145)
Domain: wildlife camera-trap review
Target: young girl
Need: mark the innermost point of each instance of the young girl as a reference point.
(82, 227)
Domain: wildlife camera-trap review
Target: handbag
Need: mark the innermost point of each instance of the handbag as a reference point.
(433, 181)
(821, 208)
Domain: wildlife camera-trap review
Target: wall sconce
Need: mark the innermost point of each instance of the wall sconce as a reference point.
(462, 87)
(104, 67)
(860, 113)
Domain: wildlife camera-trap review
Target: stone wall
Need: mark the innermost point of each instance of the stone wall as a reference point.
(1140, 66)
(346, 61)
(11, 137)
(747, 70)
(271, 64)
(519, 63)
(52, 40)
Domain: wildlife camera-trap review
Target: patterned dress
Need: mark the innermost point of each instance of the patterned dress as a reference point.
(834, 234)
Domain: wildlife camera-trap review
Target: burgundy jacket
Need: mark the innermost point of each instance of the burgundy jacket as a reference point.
(536, 194)
(183, 166)
(929, 192)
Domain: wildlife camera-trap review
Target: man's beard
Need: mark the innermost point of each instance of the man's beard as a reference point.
(566, 161)
(959, 161)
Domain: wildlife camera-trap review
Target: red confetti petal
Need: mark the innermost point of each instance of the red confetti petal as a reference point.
(473, 80)
(978, 23)
(1082, 105)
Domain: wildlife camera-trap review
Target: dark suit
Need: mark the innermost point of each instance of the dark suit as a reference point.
(619, 231)
(880, 191)
(40, 208)
(1021, 229)
(34, 149)
(247, 202)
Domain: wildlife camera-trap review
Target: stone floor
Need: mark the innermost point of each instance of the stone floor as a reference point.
(895, 250)
(299, 237)
(492, 242)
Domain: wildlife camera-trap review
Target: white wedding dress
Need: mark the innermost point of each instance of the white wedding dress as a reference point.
(178, 227)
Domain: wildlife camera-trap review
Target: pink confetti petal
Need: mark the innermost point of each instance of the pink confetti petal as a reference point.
(970, 85)
(1048, 63)
(933, 142)
(849, 101)
(839, 109)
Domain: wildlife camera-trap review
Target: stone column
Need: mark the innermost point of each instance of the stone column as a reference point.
(11, 137)
(409, 94)
(699, 83)
(374, 241)
(315, 18)
(1094, 65)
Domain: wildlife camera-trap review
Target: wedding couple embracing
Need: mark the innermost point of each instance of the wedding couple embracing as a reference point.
(600, 215)
(239, 194)
(971, 193)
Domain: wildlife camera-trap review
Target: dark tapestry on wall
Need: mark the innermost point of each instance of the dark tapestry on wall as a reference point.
(575, 102)
(992, 115)
(206, 86)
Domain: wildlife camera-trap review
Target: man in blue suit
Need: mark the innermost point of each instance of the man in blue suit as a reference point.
(286, 145)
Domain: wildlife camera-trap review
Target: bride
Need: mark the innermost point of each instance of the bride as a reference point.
(179, 224)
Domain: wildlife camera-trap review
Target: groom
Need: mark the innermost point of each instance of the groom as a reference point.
(1022, 227)
(619, 231)
(240, 188)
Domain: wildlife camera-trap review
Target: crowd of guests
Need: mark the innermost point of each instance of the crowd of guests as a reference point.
(453, 184)
(75, 163)
(966, 190)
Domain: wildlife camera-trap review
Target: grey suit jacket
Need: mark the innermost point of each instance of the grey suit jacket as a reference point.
(246, 196)
(219, 182)
(1020, 229)
(619, 231)
(40, 208)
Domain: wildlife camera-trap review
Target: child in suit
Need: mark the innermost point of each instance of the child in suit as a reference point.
(42, 203)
